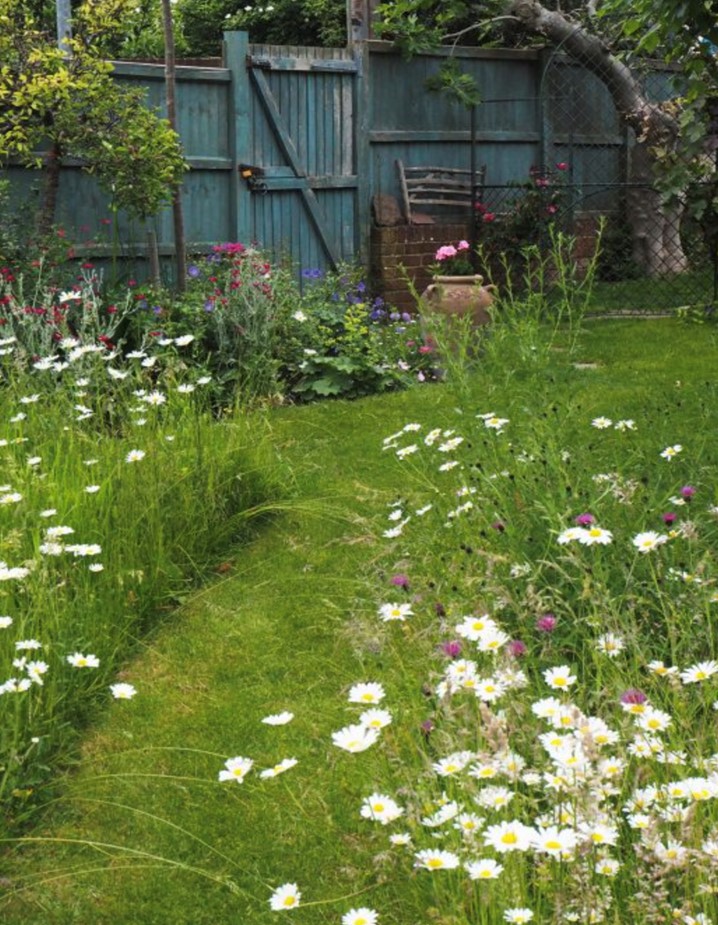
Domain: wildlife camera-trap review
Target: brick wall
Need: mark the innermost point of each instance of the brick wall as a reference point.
(411, 247)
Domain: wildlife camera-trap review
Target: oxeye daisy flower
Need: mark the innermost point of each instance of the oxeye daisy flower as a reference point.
(601, 423)
(135, 456)
(184, 340)
(400, 838)
(509, 836)
(278, 769)
(472, 627)
(380, 808)
(236, 769)
(78, 660)
(366, 693)
(570, 535)
(595, 536)
(361, 916)
(559, 677)
(388, 612)
(278, 719)
(653, 720)
(555, 841)
(610, 644)
(607, 867)
(518, 916)
(375, 719)
(355, 738)
(5, 623)
(122, 691)
(649, 540)
(286, 896)
(436, 860)
(671, 451)
(699, 672)
(483, 869)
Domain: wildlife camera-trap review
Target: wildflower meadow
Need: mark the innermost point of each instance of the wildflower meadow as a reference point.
(468, 676)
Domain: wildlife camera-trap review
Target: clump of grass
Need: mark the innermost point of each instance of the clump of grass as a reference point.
(121, 490)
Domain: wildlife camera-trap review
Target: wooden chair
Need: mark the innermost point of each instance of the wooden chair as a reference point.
(449, 189)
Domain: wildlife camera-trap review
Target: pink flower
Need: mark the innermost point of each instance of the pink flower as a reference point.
(452, 648)
(400, 581)
(462, 246)
(546, 623)
(517, 648)
(633, 695)
(488, 217)
(687, 491)
(669, 517)
(446, 252)
(585, 520)
(562, 165)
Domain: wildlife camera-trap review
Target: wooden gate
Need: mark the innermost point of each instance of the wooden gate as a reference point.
(302, 187)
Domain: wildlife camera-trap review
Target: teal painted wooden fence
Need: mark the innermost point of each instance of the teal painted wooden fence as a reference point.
(324, 128)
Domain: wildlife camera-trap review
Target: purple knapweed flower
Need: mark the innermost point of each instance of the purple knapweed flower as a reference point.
(451, 648)
(669, 517)
(546, 623)
(499, 526)
(633, 695)
(687, 492)
(585, 520)
(517, 648)
(400, 580)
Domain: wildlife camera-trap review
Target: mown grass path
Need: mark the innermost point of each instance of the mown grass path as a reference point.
(144, 834)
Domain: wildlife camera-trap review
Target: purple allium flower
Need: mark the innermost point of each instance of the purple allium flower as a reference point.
(517, 648)
(633, 695)
(669, 517)
(585, 520)
(405, 316)
(687, 491)
(546, 623)
(451, 648)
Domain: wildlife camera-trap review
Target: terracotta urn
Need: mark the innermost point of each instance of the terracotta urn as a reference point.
(460, 296)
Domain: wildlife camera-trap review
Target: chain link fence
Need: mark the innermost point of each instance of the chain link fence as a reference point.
(595, 173)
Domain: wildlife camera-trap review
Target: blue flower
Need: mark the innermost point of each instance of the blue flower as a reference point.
(209, 305)
(193, 271)
(312, 273)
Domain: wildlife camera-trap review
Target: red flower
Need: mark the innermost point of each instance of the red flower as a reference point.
(488, 217)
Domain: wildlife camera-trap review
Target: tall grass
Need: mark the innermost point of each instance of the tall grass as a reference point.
(120, 492)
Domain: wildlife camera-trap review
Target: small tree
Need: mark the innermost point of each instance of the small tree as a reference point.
(70, 101)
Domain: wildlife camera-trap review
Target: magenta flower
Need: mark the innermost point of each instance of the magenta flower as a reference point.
(585, 520)
(546, 623)
(452, 648)
(687, 491)
(517, 648)
(669, 517)
(633, 695)
(400, 580)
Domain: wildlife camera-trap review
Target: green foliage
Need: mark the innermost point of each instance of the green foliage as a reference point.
(72, 102)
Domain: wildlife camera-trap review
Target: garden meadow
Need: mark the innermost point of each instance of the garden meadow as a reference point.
(533, 734)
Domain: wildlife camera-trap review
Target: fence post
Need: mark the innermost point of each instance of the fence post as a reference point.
(365, 182)
(236, 49)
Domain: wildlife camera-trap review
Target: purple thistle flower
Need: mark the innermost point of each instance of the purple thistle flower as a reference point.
(669, 517)
(688, 491)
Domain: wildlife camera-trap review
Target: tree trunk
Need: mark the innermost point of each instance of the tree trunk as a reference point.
(655, 226)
